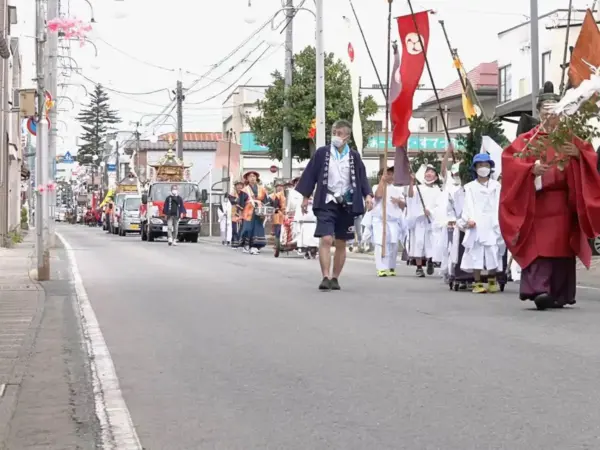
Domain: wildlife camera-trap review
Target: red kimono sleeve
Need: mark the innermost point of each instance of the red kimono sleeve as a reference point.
(584, 195)
(517, 195)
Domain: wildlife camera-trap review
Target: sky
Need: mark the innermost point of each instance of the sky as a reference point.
(147, 45)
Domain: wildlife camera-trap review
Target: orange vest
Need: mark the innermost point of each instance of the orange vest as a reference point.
(280, 215)
(249, 207)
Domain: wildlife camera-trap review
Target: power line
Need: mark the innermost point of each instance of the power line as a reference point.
(231, 69)
(232, 84)
(122, 92)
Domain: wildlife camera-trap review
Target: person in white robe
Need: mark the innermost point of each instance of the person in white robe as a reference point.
(395, 224)
(447, 215)
(225, 223)
(480, 219)
(306, 241)
(424, 226)
(294, 200)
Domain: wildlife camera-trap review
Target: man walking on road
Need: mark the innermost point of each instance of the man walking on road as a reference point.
(174, 209)
(342, 186)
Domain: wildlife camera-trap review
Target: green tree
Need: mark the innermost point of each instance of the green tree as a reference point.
(471, 143)
(95, 119)
(424, 157)
(268, 127)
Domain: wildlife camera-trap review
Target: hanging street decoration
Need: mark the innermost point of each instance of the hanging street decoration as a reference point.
(70, 28)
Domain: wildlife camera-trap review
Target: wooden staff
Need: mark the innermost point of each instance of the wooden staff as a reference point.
(383, 164)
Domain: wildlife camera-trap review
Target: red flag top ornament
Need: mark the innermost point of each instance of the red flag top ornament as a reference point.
(411, 69)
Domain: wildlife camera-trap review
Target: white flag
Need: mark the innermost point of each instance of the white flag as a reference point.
(355, 80)
(489, 146)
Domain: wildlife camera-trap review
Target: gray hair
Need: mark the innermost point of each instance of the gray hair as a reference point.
(342, 124)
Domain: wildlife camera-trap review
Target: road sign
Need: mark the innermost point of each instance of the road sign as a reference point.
(273, 169)
(67, 158)
(111, 167)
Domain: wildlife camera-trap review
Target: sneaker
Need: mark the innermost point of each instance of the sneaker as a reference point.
(335, 285)
(430, 268)
(493, 287)
(170, 242)
(325, 284)
(254, 251)
(479, 288)
(175, 243)
(392, 273)
(246, 250)
(420, 273)
(382, 273)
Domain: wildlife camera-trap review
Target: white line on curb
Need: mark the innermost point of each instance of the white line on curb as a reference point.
(118, 431)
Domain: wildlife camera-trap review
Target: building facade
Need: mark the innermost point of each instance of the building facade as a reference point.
(514, 60)
(483, 78)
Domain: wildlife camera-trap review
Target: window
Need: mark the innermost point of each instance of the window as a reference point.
(505, 84)
(378, 124)
(462, 122)
(432, 125)
(546, 58)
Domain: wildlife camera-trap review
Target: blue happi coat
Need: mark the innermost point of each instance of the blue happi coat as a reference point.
(316, 173)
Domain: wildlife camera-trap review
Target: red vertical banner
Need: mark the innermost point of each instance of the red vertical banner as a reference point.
(411, 69)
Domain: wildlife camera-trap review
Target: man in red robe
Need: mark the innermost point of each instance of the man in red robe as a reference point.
(547, 214)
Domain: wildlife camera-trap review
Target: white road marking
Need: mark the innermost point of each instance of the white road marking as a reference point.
(118, 431)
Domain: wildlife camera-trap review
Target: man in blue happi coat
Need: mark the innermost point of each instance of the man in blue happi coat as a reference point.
(341, 180)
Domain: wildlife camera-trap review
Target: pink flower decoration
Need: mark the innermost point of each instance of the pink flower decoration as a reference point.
(51, 187)
(40, 188)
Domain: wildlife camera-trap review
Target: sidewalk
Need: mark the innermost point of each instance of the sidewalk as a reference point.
(21, 305)
(46, 399)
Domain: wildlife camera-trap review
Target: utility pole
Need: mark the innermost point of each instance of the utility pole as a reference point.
(180, 99)
(51, 86)
(535, 56)
(41, 207)
(229, 136)
(320, 75)
(137, 150)
(289, 57)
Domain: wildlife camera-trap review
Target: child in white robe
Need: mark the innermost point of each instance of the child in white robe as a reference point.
(422, 203)
(395, 225)
(480, 219)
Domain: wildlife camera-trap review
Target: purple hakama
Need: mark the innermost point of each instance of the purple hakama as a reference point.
(552, 277)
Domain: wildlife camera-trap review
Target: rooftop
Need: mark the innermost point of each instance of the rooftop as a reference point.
(484, 77)
(193, 136)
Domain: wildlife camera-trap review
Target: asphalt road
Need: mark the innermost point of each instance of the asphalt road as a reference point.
(219, 350)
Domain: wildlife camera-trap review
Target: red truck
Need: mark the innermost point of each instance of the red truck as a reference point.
(153, 223)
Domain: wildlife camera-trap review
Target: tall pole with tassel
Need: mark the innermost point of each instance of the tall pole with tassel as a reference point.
(383, 163)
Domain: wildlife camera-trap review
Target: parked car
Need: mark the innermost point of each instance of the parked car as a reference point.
(595, 244)
(129, 219)
(116, 212)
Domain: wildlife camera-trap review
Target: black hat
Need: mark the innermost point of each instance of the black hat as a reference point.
(547, 95)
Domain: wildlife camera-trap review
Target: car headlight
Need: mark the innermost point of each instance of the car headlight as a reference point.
(194, 222)
(156, 221)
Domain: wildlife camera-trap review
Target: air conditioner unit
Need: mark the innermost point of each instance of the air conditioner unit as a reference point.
(16, 101)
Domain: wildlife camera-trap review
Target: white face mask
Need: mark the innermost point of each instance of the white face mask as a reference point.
(484, 172)
(174, 192)
(337, 141)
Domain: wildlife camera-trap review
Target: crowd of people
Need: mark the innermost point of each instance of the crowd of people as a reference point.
(520, 209)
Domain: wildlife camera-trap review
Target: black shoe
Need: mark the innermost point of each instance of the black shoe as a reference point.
(419, 272)
(335, 285)
(325, 284)
(430, 267)
(543, 302)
